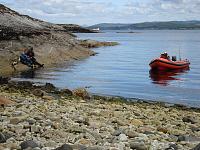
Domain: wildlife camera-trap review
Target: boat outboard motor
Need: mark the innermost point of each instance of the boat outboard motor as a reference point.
(173, 58)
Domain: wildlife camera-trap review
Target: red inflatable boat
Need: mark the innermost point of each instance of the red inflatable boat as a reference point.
(164, 63)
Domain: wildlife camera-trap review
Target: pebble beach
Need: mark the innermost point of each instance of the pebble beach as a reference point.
(48, 118)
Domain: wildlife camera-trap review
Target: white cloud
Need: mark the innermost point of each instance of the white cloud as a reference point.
(156, 10)
(90, 12)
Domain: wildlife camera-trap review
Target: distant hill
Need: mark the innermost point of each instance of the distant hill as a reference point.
(171, 25)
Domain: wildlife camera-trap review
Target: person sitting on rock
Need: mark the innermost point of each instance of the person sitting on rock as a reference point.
(28, 58)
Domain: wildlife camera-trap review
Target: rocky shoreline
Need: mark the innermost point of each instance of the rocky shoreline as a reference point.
(52, 43)
(47, 118)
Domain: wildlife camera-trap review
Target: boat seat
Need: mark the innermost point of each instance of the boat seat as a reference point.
(173, 58)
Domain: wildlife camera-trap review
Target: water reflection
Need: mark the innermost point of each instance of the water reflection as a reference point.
(164, 77)
(27, 74)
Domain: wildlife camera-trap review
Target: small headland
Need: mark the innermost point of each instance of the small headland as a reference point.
(52, 43)
(95, 44)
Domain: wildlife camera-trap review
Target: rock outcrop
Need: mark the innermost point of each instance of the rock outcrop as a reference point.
(76, 28)
(52, 43)
(12, 21)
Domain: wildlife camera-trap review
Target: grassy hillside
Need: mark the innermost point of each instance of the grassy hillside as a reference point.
(172, 25)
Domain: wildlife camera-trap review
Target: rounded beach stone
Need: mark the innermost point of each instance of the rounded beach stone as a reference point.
(123, 137)
(49, 87)
(172, 147)
(2, 138)
(162, 129)
(189, 119)
(138, 146)
(47, 97)
(197, 147)
(66, 92)
(38, 92)
(117, 132)
(65, 147)
(5, 101)
(4, 80)
(131, 134)
(28, 144)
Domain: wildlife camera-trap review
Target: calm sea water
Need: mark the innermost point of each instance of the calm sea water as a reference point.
(123, 70)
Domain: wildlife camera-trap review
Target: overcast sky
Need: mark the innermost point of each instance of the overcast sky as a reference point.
(88, 12)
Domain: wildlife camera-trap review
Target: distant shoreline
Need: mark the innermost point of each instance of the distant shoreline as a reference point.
(168, 25)
(128, 32)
